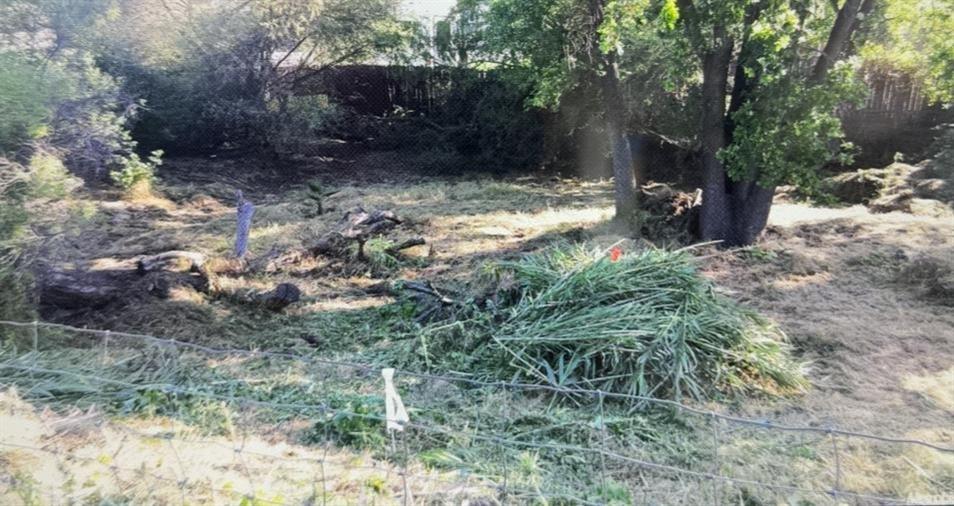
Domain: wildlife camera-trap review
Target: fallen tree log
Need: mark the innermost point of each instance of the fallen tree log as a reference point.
(94, 289)
(178, 261)
(332, 243)
(157, 271)
(74, 289)
(410, 243)
(345, 241)
(277, 260)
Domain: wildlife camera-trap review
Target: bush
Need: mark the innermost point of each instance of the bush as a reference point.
(480, 118)
(24, 191)
(441, 161)
(357, 422)
(67, 104)
(48, 177)
(137, 175)
(13, 191)
(26, 100)
(941, 152)
(90, 118)
(14, 282)
(647, 324)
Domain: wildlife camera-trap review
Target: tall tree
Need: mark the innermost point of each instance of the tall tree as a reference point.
(772, 122)
(563, 46)
(604, 66)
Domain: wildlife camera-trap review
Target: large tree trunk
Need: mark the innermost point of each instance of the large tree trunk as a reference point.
(623, 175)
(716, 217)
(750, 205)
(614, 108)
(742, 82)
(736, 212)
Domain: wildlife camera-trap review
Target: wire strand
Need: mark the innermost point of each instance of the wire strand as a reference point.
(601, 452)
(767, 424)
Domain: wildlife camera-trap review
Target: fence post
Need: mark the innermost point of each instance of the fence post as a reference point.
(834, 446)
(602, 442)
(106, 348)
(182, 479)
(396, 417)
(324, 458)
(36, 346)
(406, 498)
(716, 461)
(245, 211)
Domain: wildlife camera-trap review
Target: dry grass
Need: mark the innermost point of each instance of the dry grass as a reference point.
(158, 461)
(938, 387)
(880, 352)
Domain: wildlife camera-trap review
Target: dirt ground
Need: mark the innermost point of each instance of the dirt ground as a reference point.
(842, 283)
(881, 351)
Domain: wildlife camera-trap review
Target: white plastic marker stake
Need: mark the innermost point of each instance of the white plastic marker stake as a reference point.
(396, 414)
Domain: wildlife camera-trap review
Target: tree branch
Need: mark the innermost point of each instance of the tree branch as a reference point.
(299, 78)
(293, 49)
(837, 39)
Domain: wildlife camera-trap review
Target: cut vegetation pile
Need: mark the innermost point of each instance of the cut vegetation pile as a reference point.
(645, 324)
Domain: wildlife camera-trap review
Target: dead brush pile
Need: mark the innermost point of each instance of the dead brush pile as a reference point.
(644, 324)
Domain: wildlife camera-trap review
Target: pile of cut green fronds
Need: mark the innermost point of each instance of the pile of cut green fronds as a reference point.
(645, 324)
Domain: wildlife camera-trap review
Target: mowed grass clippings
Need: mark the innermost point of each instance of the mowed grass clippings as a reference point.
(645, 324)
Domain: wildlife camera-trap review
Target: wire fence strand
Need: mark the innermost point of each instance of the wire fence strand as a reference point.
(400, 453)
(577, 392)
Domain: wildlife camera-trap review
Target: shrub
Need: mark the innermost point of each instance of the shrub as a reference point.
(25, 102)
(70, 105)
(49, 178)
(440, 161)
(14, 282)
(136, 175)
(23, 190)
(13, 191)
(941, 151)
(356, 423)
(89, 122)
(317, 113)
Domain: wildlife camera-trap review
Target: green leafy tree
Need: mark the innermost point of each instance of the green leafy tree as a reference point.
(753, 86)
(224, 71)
(564, 46)
(913, 37)
(460, 36)
(768, 102)
(602, 64)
